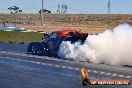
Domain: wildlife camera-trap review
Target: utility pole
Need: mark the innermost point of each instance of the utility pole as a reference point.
(58, 8)
(64, 9)
(109, 7)
(42, 14)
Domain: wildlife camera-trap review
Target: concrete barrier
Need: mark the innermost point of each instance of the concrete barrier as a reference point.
(20, 36)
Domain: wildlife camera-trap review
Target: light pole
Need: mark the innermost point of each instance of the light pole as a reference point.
(42, 14)
(109, 7)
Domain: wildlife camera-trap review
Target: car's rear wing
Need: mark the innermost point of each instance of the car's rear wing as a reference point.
(84, 37)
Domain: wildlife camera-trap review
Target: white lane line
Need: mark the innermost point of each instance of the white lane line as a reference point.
(26, 61)
(22, 66)
(102, 73)
(114, 74)
(38, 62)
(43, 64)
(38, 69)
(121, 76)
(95, 71)
(33, 56)
(128, 76)
(21, 60)
(63, 66)
(49, 64)
(32, 61)
(77, 69)
(57, 65)
(108, 73)
(89, 70)
(70, 68)
(65, 60)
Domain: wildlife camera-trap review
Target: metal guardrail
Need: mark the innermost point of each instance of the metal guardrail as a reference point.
(12, 28)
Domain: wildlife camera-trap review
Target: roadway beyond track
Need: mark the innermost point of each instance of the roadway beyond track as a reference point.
(21, 70)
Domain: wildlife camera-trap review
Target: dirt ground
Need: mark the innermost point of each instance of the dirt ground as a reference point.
(90, 23)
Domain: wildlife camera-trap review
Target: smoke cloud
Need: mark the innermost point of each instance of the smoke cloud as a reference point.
(112, 47)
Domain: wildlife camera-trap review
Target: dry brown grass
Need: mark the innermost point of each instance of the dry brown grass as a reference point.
(91, 23)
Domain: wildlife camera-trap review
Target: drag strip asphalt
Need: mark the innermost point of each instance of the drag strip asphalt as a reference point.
(21, 70)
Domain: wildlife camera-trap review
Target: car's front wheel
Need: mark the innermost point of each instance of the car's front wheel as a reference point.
(36, 50)
(39, 49)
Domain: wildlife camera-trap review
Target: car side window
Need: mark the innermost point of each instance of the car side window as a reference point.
(72, 33)
(53, 35)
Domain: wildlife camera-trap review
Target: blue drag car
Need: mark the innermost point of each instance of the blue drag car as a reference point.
(51, 42)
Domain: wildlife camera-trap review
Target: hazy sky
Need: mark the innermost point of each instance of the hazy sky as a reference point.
(74, 6)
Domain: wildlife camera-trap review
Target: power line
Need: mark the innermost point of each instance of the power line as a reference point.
(78, 11)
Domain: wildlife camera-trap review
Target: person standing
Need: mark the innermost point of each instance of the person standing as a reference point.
(85, 79)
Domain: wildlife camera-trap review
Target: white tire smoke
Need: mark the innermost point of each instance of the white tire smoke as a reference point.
(110, 47)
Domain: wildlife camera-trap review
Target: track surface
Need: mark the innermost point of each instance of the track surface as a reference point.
(21, 70)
